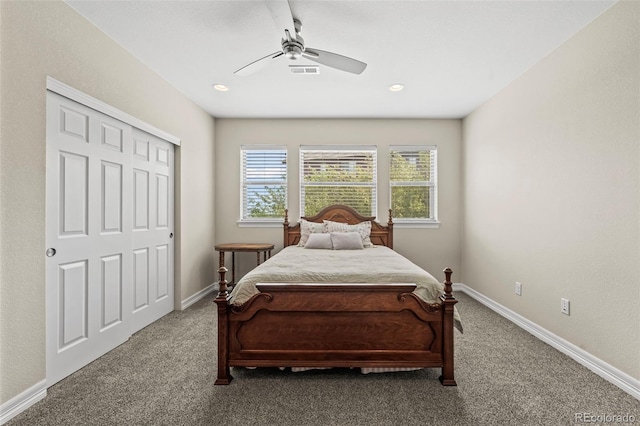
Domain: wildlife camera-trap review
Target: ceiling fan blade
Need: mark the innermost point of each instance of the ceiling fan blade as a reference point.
(334, 60)
(258, 65)
(282, 16)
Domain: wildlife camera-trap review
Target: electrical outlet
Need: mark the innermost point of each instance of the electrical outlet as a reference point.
(518, 288)
(564, 306)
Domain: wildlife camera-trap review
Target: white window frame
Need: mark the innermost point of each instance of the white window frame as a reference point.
(432, 184)
(372, 149)
(261, 221)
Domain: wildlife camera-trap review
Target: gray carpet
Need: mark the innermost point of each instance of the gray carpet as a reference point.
(164, 376)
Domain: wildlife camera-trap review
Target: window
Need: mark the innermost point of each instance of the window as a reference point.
(413, 183)
(338, 175)
(263, 183)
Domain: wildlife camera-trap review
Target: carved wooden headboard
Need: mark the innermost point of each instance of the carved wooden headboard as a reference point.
(380, 234)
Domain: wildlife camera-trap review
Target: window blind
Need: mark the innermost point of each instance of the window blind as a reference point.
(263, 182)
(338, 175)
(413, 182)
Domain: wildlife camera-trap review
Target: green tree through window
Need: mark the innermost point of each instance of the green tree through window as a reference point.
(269, 202)
(412, 182)
(338, 176)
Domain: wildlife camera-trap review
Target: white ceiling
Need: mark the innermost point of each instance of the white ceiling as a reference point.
(451, 55)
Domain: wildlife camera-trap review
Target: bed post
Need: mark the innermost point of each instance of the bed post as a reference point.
(448, 301)
(286, 227)
(224, 375)
(390, 227)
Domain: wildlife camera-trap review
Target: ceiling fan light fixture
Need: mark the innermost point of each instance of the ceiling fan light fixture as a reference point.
(292, 51)
(396, 87)
(293, 48)
(221, 87)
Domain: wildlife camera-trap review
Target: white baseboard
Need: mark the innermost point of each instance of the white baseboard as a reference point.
(199, 295)
(21, 402)
(601, 368)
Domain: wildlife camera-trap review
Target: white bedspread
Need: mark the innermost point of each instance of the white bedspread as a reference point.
(377, 264)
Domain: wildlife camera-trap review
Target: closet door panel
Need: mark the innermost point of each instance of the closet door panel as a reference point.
(153, 228)
(87, 199)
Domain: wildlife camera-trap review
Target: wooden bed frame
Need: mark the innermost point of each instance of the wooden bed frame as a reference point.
(336, 325)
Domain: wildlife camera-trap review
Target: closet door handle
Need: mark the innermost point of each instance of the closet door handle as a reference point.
(50, 252)
(171, 235)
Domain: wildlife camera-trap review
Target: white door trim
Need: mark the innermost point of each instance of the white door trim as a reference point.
(62, 89)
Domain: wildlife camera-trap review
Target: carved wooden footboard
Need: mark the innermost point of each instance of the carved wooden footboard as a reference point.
(345, 325)
(336, 325)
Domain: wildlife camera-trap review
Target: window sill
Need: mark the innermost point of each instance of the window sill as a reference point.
(266, 223)
(398, 223)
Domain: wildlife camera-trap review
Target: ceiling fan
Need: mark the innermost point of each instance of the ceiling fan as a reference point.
(293, 45)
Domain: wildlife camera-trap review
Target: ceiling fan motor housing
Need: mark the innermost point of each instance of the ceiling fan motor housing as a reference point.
(293, 47)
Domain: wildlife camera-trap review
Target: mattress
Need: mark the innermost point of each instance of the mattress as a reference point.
(373, 265)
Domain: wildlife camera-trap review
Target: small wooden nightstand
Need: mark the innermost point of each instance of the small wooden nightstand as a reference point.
(258, 248)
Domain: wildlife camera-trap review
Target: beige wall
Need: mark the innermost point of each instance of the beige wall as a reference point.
(49, 38)
(551, 182)
(433, 249)
(552, 187)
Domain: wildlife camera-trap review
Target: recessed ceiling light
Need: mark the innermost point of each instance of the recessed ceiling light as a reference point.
(396, 87)
(221, 87)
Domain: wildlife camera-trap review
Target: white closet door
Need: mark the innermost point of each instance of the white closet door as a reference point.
(109, 233)
(88, 199)
(152, 228)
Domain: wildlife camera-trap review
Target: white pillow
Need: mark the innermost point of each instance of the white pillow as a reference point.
(346, 240)
(363, 228)
(307, 228)
(319, 241)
